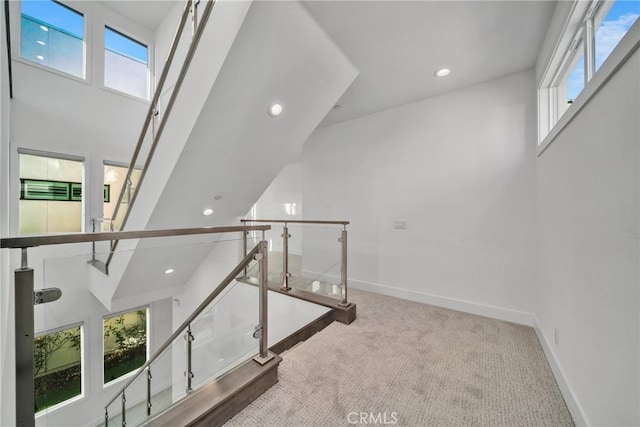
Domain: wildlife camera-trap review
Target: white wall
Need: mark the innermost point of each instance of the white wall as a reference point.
(588, 218)
(61, 114)
(460, 170)
(282, 200)
(54, 113)
(70, 275)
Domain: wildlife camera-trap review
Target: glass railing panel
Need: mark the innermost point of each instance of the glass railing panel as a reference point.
(314, 260)
(167, 386)
(135, 404)
(317, 266)
(223, 334)
(87, 352)
(274, 240)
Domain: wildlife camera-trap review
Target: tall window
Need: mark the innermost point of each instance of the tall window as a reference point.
(114, 177)
(50, 194)
(52, 35)
(57, 366)
(125, 64)
(125, 343)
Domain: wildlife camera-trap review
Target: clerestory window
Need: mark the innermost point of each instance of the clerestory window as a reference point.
(593, 31)
(126, 64)
(52, 35)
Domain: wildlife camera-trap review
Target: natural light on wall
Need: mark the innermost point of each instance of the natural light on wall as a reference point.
(125, 64)
(52, 35)
(593, 30)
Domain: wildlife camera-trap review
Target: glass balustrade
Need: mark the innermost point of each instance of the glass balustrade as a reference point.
(312, 254)
(96, 338)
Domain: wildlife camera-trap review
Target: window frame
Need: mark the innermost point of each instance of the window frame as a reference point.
(136, 37)
(146, 307)
(83, 388)
(15, 178)
(87, 40)
(579, 26)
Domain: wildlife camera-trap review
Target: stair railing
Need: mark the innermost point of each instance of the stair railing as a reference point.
(25, 298)
(123, 209)
(286, 275)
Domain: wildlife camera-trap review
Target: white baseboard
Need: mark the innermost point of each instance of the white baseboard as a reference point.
(577, 413)
(494, 312)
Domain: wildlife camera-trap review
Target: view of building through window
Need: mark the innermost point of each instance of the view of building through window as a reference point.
(57, 367)
(125, 343)
(125, 64)
(50, 195)
(52, 35)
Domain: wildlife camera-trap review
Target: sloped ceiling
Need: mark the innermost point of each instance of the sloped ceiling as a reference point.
(397, 45)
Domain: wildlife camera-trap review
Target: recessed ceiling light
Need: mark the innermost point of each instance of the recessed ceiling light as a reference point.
(207, 212)
(169, 271)
(443, 72)
(275, 109)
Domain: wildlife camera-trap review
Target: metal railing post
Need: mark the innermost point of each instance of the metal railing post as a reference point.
(285, 259)
(93, 244)
(244, 248)
(194, 17)
(129, 185)
(148, 391)
(188, 336)
(124, 410)
(24, 334)
(106, 418)
(263, 308)
(343, 267)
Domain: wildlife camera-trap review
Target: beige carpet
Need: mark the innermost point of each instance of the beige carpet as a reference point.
(410, 364)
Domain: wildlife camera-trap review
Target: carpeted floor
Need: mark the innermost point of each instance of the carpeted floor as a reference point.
(410, 364)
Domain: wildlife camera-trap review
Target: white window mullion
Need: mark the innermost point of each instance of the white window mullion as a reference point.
(589, 50)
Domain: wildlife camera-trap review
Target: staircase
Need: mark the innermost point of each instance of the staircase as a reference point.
(220, 149)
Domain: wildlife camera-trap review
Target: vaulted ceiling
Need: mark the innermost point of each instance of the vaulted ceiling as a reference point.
(397, 45)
